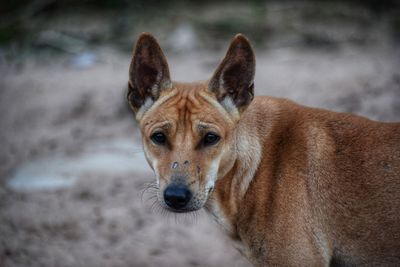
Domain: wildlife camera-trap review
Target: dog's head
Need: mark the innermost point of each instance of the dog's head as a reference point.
(188, 129)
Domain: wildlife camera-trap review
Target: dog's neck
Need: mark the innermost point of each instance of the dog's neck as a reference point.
(231, 189)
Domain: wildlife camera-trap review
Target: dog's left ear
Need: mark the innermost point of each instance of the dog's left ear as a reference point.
(148, 73)
(233, 81)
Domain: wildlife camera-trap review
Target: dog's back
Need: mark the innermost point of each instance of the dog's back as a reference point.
(328, 185)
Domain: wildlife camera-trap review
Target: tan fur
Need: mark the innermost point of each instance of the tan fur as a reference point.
(291, 185)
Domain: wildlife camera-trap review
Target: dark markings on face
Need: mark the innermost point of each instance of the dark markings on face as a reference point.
(175, 165)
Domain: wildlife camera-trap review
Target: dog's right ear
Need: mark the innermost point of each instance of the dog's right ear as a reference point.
(148, 73)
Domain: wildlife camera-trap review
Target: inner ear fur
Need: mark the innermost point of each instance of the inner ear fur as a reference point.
(234, 77)
(148, 72)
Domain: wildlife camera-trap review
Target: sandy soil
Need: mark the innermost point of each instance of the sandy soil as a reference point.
(54, 109)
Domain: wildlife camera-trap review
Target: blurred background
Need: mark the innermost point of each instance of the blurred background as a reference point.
(72, 171)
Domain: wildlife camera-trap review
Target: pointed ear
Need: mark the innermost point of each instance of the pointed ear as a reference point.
(234, 78)
(148, 73)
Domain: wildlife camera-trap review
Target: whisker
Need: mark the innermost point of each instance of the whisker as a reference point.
(149, 188)
(154, 206)
(150, 193)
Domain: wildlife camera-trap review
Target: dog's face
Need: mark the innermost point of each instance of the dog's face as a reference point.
(188, 129)
(187, 140)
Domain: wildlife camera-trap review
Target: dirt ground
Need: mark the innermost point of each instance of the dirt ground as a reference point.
(56, 110)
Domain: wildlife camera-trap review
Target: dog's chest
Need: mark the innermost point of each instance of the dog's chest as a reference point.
(215, 210)
(226, 224)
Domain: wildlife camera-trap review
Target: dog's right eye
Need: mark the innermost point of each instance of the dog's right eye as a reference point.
(211, 139)
(158, 138)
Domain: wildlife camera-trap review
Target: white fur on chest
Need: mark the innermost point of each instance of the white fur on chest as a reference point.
(219, 216)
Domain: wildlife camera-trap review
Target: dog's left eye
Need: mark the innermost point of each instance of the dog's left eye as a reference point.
(159, 138)
(210, 139)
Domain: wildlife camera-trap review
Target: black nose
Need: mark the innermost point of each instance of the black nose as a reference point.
(177, 196)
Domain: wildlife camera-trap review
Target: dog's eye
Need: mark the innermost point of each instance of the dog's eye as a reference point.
(158, 138)
(210, 139)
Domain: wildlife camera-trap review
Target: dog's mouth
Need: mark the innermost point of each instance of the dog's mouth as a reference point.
(186, 209)
(178, 210)
(179, 198)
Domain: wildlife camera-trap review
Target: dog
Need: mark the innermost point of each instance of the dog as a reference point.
(291, 185)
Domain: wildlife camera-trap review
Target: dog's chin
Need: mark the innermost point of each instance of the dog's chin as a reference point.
(187, 209)
(180, 210)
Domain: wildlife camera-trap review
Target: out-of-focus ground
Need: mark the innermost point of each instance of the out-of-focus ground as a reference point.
(71, 166)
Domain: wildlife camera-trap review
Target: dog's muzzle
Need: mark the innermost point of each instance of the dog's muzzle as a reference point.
(177, 196)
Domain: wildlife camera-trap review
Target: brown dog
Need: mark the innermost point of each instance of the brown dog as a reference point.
(292, 185)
